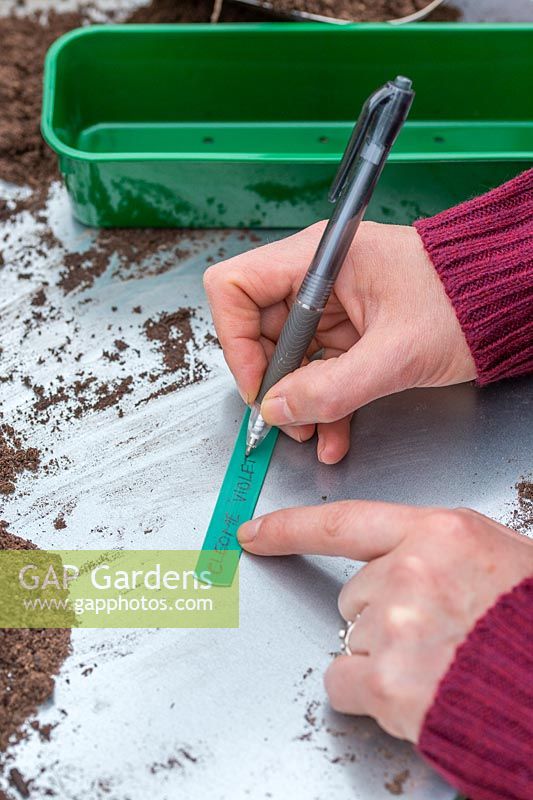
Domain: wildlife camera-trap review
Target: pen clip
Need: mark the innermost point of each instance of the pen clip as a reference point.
(379, 98)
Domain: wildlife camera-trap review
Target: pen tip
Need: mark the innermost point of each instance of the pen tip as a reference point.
(248, 450)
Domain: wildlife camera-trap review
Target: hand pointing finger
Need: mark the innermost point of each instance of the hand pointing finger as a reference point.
(361, 530)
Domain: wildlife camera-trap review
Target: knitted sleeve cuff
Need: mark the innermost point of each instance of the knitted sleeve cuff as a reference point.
(479, 731)
(483, 253)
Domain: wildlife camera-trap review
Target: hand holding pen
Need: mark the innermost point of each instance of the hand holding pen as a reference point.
(387, 326)
(380, 122)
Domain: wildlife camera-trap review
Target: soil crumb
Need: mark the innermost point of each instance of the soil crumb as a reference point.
(525, 491)
(59, 523)
(14, 458)
(29, 661)
(396, 784)
(111, 395)
(39, 299)
(44, 731)
(173, 333)
(522, 516)
(174, 761)
(17, 780)
(310, 715)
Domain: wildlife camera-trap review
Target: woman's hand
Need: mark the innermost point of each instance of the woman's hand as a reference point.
(388, 326)
(432, 573)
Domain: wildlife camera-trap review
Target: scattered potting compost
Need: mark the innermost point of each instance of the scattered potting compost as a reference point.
(266, 407)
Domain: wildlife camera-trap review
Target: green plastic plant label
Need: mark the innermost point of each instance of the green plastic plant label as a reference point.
(235, 504)
(112, 589)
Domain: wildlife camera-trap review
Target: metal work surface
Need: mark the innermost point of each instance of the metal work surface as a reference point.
(232, 714)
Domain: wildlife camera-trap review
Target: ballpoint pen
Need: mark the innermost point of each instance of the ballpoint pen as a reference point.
(379, 123)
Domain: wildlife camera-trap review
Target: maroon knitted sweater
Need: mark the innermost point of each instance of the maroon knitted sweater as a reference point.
(479, 731)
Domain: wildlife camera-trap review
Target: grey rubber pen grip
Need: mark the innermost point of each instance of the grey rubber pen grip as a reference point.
(293, 343)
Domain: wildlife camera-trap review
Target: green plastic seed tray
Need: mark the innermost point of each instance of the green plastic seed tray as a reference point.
(243, 125)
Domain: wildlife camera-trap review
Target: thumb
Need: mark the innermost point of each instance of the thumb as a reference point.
(325, 391)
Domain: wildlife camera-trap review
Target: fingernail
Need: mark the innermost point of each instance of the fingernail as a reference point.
(320, 452)
(248, 532)
(276, 411)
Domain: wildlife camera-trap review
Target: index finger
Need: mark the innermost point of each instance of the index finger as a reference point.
(358, 529)
(237, 290)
